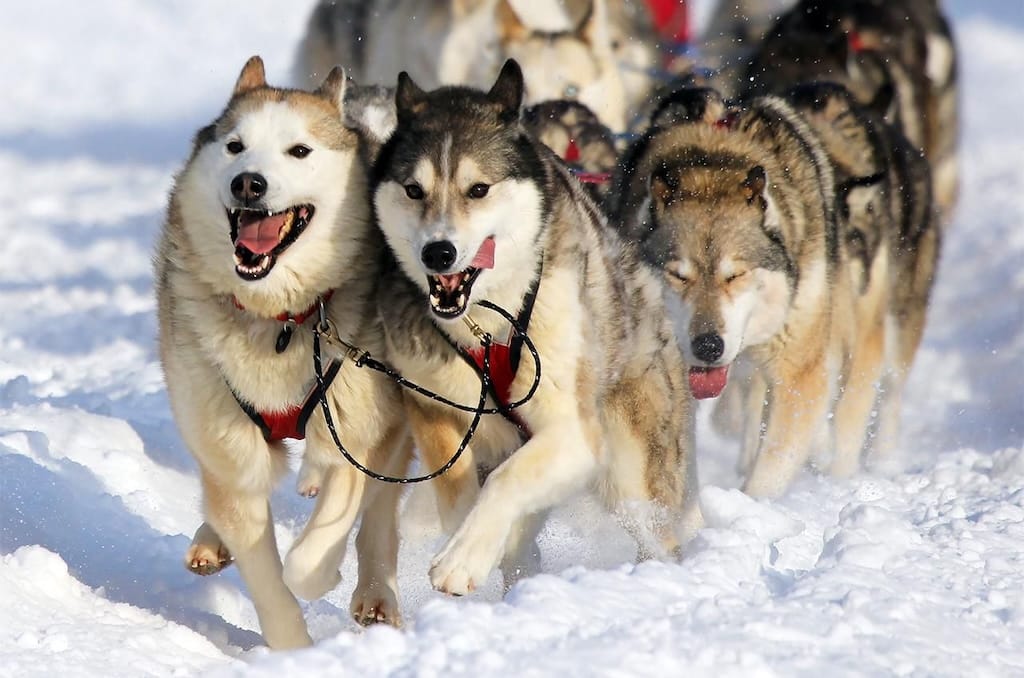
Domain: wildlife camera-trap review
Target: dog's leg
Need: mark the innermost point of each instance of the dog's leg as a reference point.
(651, 476)
(375, 598)
(244, 524)
(853, 409)
(522, 553)
(555, 462)
(911, 291)
(207, 554)
(799, 403)
(311, 566)
(310, 477)
(755, 409)
(438, 436)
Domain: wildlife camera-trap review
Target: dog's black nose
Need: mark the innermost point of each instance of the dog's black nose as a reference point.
(708, 347)
(248, 187)
(439, 256)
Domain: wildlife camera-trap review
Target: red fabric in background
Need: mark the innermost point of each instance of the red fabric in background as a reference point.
(671, 19)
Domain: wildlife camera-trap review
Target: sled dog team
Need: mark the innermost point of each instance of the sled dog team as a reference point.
(774, 250)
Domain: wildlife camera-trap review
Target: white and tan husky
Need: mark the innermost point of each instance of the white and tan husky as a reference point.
(269, 216)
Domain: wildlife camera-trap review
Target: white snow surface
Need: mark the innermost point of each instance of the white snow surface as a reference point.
(919, 571)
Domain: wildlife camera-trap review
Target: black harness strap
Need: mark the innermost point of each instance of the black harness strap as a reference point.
(515, 353)
(305, 411)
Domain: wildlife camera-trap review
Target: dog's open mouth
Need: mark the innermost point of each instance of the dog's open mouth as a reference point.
(261, 236)
(449, 293)
(708, 382)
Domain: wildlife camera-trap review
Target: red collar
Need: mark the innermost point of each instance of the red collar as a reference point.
(286, 316)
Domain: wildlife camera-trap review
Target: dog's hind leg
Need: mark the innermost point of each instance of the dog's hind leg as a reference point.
(243, 521)
(651, 475)
(437, 437)
(207, 553)
(375, 598)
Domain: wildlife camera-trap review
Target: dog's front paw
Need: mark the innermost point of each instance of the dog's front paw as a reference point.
(466, 561)
(375, 605)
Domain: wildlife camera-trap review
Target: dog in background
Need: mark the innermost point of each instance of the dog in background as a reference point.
(889, 228)
(598, 52)
(899, 50)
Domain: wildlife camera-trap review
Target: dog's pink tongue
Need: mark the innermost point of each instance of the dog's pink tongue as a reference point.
(259, 236)
(708, 382)
(485, 255)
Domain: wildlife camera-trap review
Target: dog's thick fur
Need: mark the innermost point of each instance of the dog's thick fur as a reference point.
(217, 344)
(599, 53)
(890, 232)
(612, 410)
(737, 206)
(903, 48)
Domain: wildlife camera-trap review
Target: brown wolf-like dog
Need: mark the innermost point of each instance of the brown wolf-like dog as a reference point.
(890, 232)
(737, 208)
(269, 217)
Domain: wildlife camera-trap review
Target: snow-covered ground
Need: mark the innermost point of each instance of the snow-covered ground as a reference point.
(916, 573)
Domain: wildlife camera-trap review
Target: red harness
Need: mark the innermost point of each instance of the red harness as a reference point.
(504, 362)
(289, 423)
(501, 373)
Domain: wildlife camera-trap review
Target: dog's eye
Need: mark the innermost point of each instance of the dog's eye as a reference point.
(299, 151)
(734, 277)
(235, 147)
(477, 191)
(679, 277)
(414, 192)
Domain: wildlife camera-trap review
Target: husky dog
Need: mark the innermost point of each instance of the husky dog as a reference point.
(476, 211)
(571, 130)
(269, 217)
(598, 53)
(738, 212)
(868, 46)
(888, 221)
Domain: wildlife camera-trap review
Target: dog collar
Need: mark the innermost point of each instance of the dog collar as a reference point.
(290, 320)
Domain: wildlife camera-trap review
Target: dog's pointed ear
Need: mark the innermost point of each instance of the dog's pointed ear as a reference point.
(664, 184)
(510, 27)
(333, 87)
(593, 26)
(252, 76)
(507, 91)
(461, 8)
(754, 186)
(409, 98)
